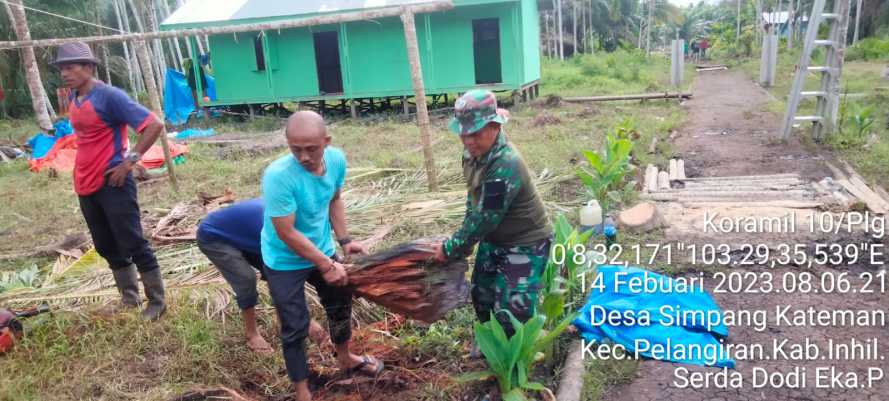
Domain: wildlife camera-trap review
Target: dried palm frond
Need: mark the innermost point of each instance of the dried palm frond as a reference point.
(405, 280)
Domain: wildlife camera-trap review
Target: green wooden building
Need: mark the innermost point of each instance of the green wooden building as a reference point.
(489, 43)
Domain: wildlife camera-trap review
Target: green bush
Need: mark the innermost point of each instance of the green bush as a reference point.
(869, 49)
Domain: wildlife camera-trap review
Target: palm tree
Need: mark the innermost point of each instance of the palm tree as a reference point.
(35, 85)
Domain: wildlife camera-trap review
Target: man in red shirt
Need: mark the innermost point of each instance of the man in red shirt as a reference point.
(100, 115)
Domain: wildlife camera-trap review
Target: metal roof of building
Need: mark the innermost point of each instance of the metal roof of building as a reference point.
(226, 12)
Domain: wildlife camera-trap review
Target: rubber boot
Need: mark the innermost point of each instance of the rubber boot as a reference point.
(154, 290)
(127, 281)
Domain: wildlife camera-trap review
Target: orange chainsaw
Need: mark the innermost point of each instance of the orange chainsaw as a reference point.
(11, 328)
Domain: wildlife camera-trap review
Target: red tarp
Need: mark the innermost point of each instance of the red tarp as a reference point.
(61, 156)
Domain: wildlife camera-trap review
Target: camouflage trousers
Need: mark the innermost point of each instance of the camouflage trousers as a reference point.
(508, 279)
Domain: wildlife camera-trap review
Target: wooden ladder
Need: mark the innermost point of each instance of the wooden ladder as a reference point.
(828, 96)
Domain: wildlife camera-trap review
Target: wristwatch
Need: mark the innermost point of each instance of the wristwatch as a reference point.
(344, 241)
(133, 156)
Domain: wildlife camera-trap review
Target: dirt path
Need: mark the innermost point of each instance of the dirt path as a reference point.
(728, 132)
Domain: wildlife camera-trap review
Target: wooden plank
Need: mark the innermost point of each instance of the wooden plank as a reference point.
(873, 204)
(746, 177)
(792, 204)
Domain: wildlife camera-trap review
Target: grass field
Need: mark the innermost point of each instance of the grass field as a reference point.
(88, 353)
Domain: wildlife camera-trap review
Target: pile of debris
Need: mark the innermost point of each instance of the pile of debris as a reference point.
(180, 224)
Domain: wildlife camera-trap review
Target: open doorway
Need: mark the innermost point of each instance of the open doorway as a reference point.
(486, 46)
(327, 61)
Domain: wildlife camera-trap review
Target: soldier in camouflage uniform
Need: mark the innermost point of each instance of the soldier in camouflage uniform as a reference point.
(504, 215)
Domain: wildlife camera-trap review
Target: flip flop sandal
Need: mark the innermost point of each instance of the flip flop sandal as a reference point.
(366, 360)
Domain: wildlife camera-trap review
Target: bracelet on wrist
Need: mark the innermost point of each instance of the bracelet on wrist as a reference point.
(344, 241)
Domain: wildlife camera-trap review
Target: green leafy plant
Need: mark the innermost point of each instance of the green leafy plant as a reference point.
(510, 359)
(26, 278)
(609, 168)
(863, 119)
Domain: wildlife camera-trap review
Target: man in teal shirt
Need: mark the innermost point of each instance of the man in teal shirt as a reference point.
(302, 199)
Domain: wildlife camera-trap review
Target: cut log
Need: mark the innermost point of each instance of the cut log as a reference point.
(663, 180)
(680, 165)
(650, 178)
(711, 69)
(640, 218)
(674, 170)
(642, 96)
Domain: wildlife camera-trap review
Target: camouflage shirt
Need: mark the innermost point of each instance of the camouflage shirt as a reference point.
(502, 204)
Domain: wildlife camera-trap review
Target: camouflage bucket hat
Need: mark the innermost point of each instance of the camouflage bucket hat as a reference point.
(473, 111)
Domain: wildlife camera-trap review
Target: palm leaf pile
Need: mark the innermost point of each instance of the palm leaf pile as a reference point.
(405, 280)
(376, 198)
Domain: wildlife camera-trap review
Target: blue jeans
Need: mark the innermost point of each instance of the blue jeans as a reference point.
(287, 288)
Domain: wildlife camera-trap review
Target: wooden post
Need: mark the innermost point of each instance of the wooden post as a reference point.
(413, 55)
(405, 106)
(155, 103)
(353, 109)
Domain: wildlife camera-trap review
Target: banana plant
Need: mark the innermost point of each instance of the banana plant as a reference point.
(510, 359)
(608, 168)
(560, 282)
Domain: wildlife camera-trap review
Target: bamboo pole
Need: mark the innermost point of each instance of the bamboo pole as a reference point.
(155, 59)
(155, 103)
(268, 26)
(644, 96)
(126, 49)
(560, 29)
(166, 10)
(103, 46)
(413, 56)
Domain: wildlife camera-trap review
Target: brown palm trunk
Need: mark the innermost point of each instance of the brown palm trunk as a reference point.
(32, 72)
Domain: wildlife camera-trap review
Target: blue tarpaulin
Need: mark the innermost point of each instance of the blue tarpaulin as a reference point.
(41, 143)
(195, 133)
(178, 102)
(625, 294)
